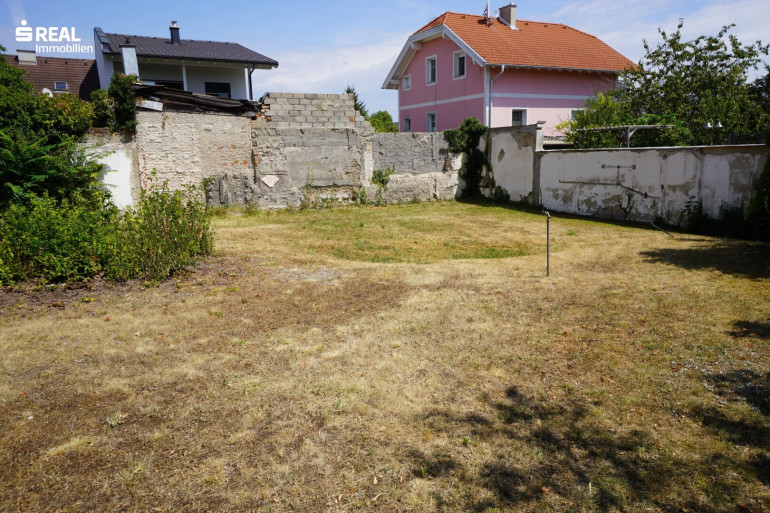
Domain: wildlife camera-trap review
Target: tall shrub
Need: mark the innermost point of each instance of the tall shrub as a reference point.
(465, 139)
(123, 102)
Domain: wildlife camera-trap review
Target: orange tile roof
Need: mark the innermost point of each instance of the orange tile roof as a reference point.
(534, 44)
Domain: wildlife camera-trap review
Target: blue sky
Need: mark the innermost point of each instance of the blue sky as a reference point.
(324, 46)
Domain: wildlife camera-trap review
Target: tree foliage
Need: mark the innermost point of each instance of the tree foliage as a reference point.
(38, 143)
(123, 102)
(100, 101)
(689, 84)
(382, 121)
(357, 103)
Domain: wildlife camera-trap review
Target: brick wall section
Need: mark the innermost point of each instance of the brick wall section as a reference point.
(309, 110)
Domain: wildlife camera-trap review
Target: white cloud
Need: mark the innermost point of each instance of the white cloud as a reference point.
(16, 10)
(623, 25)
(331, 69)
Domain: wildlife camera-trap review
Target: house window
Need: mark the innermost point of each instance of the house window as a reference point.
(518, 117)
(60, 86)
(430, 70)
(459, 64)
(221, 89)
(407, 124)
(431, 122)
(407, 82)
(573, 114)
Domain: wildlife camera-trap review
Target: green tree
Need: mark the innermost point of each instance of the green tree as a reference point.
(39, 153)
(357, 103)
(381, 121)
(699, 81)
(687, 84)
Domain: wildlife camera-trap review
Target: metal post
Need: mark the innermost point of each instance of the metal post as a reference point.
(548, 243)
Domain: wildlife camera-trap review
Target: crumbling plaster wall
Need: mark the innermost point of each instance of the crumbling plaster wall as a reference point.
(512, 156)
(646, 184)
(255, 162)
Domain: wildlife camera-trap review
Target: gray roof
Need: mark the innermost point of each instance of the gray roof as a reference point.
(188, 49)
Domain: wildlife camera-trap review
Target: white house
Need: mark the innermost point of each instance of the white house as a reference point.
(208, 67)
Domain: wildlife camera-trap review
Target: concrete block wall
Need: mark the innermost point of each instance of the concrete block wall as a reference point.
(310, 110)
(409, 152)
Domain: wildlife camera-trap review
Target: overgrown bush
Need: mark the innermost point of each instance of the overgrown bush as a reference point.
(73, 240)
(38, 143)
(465, 139)
(100, 102)
(36, 167)
(162, 235)
(123, 102)
(53, 241)
(758, 212)
(380, 178)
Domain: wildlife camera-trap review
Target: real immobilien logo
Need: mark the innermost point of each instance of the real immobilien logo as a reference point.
(66, 37)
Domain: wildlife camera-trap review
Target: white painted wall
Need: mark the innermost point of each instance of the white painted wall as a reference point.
(650, 183)
(119, 155)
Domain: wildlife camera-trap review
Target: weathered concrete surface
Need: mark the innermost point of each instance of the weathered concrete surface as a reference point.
(184, 148)
(649, 183)
(512, 156)
(423, 187)
(409, 152)
(119, 154)
(311, 157)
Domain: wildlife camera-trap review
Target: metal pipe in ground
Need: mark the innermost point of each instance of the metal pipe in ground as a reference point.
(547, 243)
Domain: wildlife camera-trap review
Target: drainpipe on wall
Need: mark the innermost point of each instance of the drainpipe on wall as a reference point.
(251, 91)
(489, 105)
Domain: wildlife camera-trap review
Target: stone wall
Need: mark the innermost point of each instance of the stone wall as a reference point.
(410, 153)
(639, 184)
(184, 148)
(309, 110)
(254, 161)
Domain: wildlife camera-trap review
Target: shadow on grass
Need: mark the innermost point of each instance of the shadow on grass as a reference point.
(744, 329)
(739, 258)
(570, 448)
(534, 450)
(740, 426)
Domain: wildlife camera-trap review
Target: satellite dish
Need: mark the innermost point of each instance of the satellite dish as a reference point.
(46, 92)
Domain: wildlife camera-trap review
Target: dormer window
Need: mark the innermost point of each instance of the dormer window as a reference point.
(60, 87)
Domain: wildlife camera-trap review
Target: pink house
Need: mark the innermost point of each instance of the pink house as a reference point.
(503, 71)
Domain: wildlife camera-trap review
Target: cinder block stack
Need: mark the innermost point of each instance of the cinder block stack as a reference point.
(309, 110)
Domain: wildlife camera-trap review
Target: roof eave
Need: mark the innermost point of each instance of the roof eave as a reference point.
(258, 64)
(555, 68)
(408, 51)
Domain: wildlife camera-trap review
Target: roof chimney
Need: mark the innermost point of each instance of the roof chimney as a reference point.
(508, 15)
(174, 28)
(130, 64)
(26, 57)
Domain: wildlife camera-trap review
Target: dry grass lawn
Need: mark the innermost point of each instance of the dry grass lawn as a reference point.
(403, 358)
